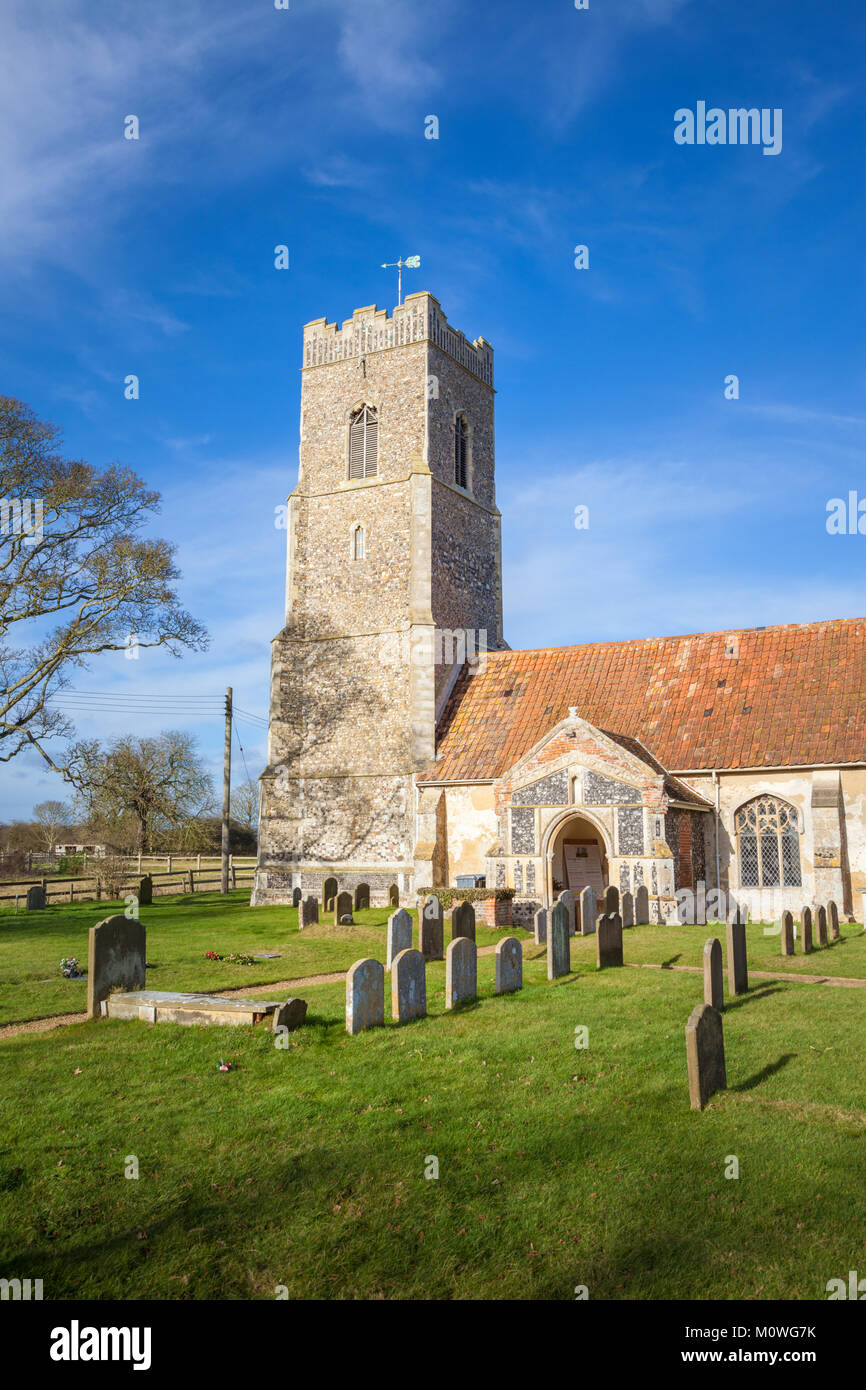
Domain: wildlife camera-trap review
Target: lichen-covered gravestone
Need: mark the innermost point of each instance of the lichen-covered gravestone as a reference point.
(539, 922)
(365, 996)
(738, 975)
(558, 944)
(343, 908)
(431, 931)
(145, 891)
(566, 897)
(362, 896)
(821, 918)
(462, 917)
(588, 911)
(833, 920)
(705, 1054)
(399, 936)
(296, 897)
(611, 899)
(641, 906)
(509, 965)
(308, 912)
(408, 986)
(289, 1015)
(627, 909)
(787, 934)
(806, 929)
(35, 897)
(115, 959)
(461, 971)
(713, 980)
(609, 940)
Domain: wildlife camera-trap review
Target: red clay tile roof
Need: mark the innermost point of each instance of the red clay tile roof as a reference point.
(794, 695)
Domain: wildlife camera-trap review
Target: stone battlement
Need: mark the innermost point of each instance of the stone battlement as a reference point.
(419, 318)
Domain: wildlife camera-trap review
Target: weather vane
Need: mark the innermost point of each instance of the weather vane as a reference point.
(411, 263)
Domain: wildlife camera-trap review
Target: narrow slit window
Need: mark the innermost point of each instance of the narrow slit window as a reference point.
(364, 443)
(359, 543)
(461, 471)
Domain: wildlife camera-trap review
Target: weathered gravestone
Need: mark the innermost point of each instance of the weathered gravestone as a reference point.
(821, 916)
(611, 899)
(833, 920)
(365, 995)
(806, 929)
(399, 935)
(35, 897)
(296, 897)
(558, 943)
(705, 1054)
(330, 889)
(431, 928)
(509, 965)
(115, 959)
(713, 985)
(290, 1015)
(641, 906)
(145, 891)
(627, 909)
(539, 922)
(566, 897)
(738, 975)
(408, 986)
(461, 971)
(308, 912)
(342, 908)
(588, 911)
(787, 934)
(362, 896)
(462, 918)
(609, 940)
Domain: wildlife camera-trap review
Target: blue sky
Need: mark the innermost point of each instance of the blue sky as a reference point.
(306, 127)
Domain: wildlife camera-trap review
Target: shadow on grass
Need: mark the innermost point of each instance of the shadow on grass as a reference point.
(671, 960)
(763, 1075)
(743, 999)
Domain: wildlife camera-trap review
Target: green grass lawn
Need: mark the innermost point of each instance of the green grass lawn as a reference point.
(305, 1166)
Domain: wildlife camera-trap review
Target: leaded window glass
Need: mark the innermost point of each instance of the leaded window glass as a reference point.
(768, 835)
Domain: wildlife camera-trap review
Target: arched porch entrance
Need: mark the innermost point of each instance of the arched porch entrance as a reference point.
(576, 856)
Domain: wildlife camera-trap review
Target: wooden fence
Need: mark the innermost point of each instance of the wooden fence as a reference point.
(88, 887)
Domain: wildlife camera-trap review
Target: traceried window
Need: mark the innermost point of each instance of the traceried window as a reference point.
(461, 452)
(768, 836)
(359, 543)
(364, 443)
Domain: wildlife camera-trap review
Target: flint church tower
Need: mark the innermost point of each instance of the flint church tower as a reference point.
(393, 540)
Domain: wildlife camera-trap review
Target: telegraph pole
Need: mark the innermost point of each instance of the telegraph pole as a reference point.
(227, 792)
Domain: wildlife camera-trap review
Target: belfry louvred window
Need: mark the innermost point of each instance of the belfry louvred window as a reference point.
(364, 443)
(460, 463)
(768, 837)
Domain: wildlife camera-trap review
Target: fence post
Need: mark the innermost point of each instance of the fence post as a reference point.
(139, 862)
(72, 890)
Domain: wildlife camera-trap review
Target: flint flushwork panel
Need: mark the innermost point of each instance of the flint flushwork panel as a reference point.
(549, 791)
(630, 828)
(522, 832)
(606, 791)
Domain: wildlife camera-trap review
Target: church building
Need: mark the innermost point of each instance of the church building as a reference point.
(410, 747)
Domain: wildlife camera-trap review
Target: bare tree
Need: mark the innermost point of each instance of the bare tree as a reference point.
(50, 816)
(69, 552)
(245, 805)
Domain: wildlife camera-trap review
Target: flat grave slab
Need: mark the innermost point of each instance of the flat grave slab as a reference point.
(160, 1006)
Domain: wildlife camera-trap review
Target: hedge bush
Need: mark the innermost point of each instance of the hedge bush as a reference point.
(449, 896)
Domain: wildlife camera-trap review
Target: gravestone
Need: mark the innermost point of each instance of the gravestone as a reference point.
(705, 1054)
(566, 897)
(365, 996)
(408, 985)
(627, 909)
(611, 899)
(431, 928)
(330, 889)
(145, 891)
(115, 959)
(787, 934)
(821, 916)
(35, 897)
(290, 1015)
(588, 911)
(609, 940)
(399, 936)
(462, 917)
(461, 971)
(362, 896)
(558, 943)
(308, 912)
(296, 897)
(833, 920)
(509, 965)
(641, 906)
(539, 922)
(738, 975)
(342, 908)
(806, 929)
(713, 985)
